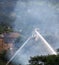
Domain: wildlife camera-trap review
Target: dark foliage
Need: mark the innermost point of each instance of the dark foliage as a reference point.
(47, 60)
(6, 23)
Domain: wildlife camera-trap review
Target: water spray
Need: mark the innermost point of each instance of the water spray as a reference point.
(46, 43)
(33, 35)
(19, 50)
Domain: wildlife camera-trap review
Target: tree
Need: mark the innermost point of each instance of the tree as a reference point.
(6, 23)
(47, 60)
(58, 50)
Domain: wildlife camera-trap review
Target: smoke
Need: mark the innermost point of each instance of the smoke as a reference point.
(18, 50)
(19, 54)
(36, 13)
(32, 14)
